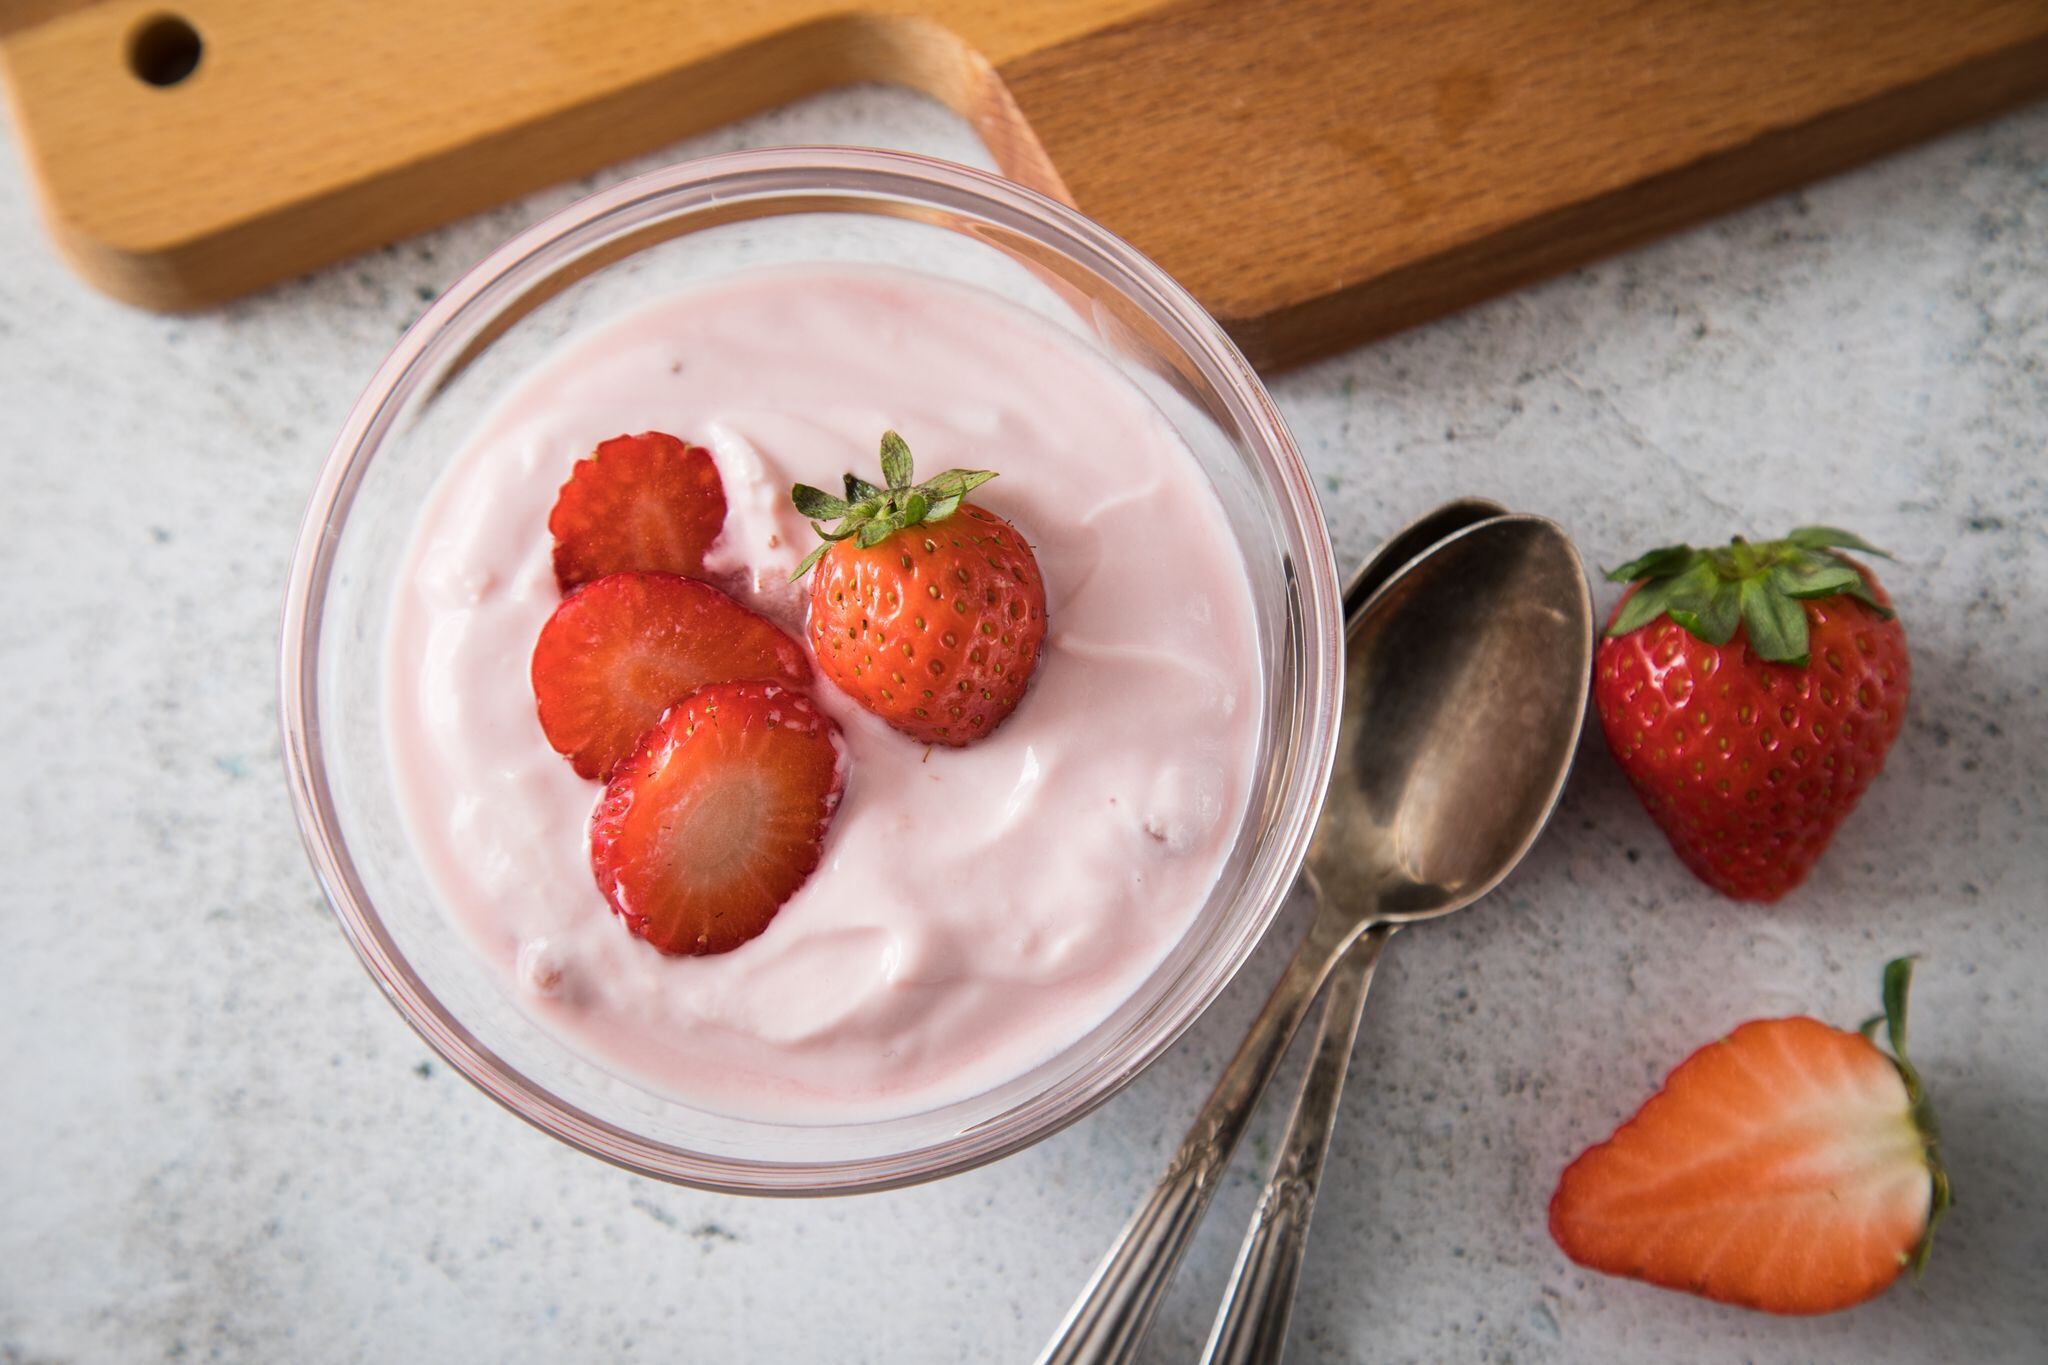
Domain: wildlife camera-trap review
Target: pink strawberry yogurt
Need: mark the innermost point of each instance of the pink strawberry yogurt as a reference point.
(976, 910)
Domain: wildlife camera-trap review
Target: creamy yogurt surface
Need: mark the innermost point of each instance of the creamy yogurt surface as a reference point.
(977, 909)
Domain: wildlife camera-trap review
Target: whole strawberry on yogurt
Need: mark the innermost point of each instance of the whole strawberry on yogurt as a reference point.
(926, 609)
(1750, 694)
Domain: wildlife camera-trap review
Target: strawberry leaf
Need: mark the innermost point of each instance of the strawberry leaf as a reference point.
(895, 461)
(1776, 623)
(1658, 563)
(1861, 592)
(816, 504)
(810, 560)
(1819, 578)
(1832, 538)
(1646, 606)
(1715, 615)
(1898, 982)
(957, 482)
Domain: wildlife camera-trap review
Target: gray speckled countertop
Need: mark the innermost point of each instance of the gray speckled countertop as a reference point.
(222, 1144)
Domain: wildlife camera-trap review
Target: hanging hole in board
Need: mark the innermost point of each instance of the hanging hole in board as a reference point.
(164, 50)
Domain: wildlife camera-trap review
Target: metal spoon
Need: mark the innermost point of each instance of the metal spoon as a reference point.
(1523, 683)
(1421, 819)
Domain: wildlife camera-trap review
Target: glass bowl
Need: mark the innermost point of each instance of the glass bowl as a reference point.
(583, 267)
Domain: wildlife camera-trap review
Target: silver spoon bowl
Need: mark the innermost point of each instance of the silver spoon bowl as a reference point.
(1465, 682)
(1407, 545)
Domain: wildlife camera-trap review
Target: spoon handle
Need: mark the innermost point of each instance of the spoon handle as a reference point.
(1108, 1322)
(1251, 1327)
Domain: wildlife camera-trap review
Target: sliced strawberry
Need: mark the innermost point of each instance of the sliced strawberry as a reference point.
(620, 651)
(1789, 1167)
(644, 503)
(718, 817)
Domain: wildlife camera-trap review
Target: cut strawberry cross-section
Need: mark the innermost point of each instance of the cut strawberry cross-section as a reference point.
(621, 650)
(647, 503)
(718, 817)
(1789, 1167)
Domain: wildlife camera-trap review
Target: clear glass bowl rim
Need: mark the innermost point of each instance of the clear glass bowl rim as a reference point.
(757, 177)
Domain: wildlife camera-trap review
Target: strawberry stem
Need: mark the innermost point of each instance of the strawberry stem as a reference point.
(868, 515)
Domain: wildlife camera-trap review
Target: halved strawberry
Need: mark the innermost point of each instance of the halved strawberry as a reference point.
(1790, 1167)
(718, 817)
(646, 503)
(620, 651)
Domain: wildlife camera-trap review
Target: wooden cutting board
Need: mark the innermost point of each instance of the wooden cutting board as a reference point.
(1317, 172)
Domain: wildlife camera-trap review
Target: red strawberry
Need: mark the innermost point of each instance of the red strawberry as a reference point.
(1790, 1167)
(718, 817)
(645, 503)
(926, 609)
(620, 651)
(1750, 694)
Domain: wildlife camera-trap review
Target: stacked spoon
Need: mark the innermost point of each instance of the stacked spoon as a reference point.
(1468, 652)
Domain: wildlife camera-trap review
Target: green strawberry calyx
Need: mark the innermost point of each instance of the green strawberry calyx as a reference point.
(1758, 586)
(869, 515)
(1898, 979)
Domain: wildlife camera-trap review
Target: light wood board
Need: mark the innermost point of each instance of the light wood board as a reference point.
(1316, 172)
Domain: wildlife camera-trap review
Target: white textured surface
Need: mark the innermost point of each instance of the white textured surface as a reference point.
(221, 1143)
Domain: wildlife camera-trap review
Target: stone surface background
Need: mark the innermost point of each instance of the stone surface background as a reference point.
(220, 1143)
